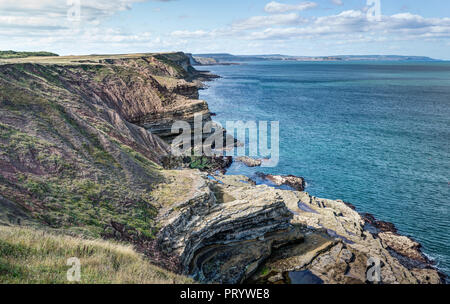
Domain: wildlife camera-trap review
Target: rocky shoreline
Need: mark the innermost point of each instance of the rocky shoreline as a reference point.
(326, 235)
(80, 160)
(404, 248)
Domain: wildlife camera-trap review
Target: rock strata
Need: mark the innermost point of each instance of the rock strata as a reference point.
(225, 241)
(231, 230)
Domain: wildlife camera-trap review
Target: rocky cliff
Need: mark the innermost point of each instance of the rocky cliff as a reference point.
(229, 230)
(82, 144)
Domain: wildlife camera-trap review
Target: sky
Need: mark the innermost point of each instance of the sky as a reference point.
(290, 27)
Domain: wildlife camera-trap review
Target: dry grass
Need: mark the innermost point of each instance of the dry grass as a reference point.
(71, 60)
(178, 187)
(39, 257)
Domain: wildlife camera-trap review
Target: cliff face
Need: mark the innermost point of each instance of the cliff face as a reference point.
(80, 153)
(71, 155)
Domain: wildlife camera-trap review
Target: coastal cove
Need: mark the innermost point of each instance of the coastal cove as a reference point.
(374, 134)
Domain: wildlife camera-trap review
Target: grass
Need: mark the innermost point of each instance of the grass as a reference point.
(177, 188)
(83, 203)
(30, 256)
(170, 60)
(72, 201)
(14, 54)
(74, 187)
(86, 59)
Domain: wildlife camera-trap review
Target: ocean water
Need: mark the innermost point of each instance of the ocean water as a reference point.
(374, 134)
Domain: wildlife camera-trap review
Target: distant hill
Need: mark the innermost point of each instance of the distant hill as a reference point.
(14, 54)
(386, 58)
(227, 58)
(224, 57)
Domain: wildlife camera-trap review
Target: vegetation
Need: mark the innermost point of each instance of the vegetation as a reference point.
(68, 178)
(176, 188)
(170, 60)
(71, 164)
(40, 257)
(14, 54)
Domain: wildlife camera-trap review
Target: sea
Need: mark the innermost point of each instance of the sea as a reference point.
(374, 134)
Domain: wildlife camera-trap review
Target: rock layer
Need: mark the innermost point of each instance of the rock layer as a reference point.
(224, 241)
(330, 238)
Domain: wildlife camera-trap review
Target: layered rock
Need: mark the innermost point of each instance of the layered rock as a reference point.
(226, 229)
(330, 240)
(224, 239)
(71, 156)
(346, 261)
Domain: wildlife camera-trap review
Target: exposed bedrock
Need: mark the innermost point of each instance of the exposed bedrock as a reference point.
(295, 182)
(347, 260)
(249, 162)
(231, 231)
(225, 238)
(161, 123)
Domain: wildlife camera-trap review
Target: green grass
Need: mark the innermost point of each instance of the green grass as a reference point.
(170, 60)
(91, 205)
(71, 201)
(265, 271)
(30, 256)
(14, 54)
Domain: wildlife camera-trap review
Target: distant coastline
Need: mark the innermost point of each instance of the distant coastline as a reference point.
(229, 59)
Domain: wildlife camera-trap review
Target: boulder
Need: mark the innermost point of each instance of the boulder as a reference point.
(249, 162)
(295, 182)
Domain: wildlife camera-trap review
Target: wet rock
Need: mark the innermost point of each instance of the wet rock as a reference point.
(295, 182)
(338, 258)
(404, 246)
(249, 162)
(380, 225)
(347, 262)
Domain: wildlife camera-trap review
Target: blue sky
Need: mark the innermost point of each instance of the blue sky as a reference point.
(309, 28)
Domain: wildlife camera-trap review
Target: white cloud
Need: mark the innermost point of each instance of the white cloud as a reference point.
(352, 22)
(276, 7)
(30, 24)
(190, 34)
(337, 2)
(44, 14)
(265, 21)
(43, 24)
(59, 8)
(350, 26)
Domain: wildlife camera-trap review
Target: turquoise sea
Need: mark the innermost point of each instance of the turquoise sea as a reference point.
(375, 134)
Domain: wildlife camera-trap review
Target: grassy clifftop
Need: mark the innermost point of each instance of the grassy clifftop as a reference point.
(14, 54)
